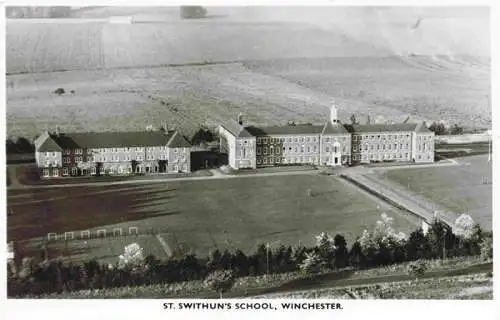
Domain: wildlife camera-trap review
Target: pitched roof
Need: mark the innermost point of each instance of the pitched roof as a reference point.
(178, 141)
(381, 127)
(89, 140)
(49, 145)
(331, 128)
(236, 129)
(285, 130)
(422, 128)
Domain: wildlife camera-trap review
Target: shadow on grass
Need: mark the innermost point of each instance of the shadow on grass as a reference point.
(82, 208)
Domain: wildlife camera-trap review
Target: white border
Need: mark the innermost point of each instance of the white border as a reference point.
(135, 309)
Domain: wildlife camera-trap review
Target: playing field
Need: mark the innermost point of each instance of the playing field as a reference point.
(202, 215)
(458, 188)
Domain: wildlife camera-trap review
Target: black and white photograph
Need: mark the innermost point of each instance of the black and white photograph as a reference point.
(252, 152)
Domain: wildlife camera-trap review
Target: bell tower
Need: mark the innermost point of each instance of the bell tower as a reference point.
(333, 114)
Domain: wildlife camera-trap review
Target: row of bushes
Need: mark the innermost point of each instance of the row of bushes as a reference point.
(375, 249)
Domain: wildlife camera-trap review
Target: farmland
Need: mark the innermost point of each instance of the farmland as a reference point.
(457, 188)
(270, 67)
(200, 215)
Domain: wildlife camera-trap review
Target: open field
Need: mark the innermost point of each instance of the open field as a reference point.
(279, 67)
(203, 215)
(458, 188)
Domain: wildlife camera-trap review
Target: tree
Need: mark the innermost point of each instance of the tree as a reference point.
(312, 263)
(193, 12)
(438, 128)
(353, 119)
(220, 281)
(341, 253)
(132, 257)
(326, 249)
(417, 269)
(59, 91)
(464, 226)
(487, 248)
(456, 129)
(356, 257)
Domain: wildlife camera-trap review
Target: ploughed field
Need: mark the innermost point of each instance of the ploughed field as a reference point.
(195, 216)
(122, 76)
(458, 188)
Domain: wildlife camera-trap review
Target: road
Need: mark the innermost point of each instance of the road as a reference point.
(413, 202)
(334, 280)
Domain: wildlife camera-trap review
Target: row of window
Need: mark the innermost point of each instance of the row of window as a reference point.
(116, 150)
(302, 149)
(265, 140)
(273, 160)
(424, 137)
(378, 136)
(381, 147)
(74, 171)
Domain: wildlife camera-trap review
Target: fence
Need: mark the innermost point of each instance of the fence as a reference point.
(88, 234)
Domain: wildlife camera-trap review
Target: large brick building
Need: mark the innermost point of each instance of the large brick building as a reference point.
(330, 144)
(71, 154)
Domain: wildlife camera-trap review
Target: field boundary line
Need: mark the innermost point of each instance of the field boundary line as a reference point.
(164, 244)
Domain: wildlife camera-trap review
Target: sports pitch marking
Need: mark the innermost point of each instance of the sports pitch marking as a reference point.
(164, 244)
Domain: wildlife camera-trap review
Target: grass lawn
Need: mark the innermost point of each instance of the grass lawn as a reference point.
(458, 188)
(203, 215)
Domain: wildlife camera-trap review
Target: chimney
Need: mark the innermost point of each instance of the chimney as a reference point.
(57, 131)
(240, 119)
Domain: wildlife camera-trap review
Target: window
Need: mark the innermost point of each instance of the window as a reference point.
(371, 147)
(302, 149)
(265, 160)
(278, 160)
(295, 149)
(314, 148)
(366, 147)
(407, 146)
(308, 139)
(301, 139)
(277, 150)
(271, 160)
(101, 170)
(258, 151)
(327, 149)
(74, 171)
(93, 170)
(294, 139)
(65, 171)
(175, 150)
(308, 149)
(45, 172)
(55, 172)
(258, 161)
(265, 150)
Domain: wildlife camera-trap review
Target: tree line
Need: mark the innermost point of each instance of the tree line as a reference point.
(20, 145)
(379, 248)
(440, 129)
